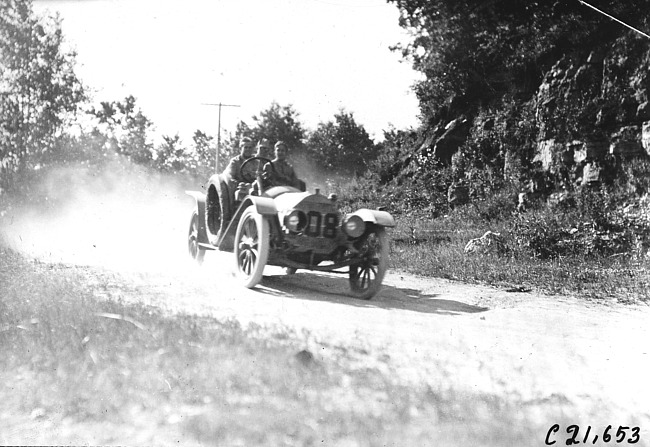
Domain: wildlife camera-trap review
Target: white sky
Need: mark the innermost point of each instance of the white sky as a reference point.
(318, 55)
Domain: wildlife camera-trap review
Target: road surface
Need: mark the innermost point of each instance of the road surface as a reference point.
(587, 361)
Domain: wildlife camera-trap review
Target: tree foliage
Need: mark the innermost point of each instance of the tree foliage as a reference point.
(473, 52)
(125, 129)
(342, 144)
(275, 123)
(39, 91)
(202, 154)
(170, 154)
(516, 74)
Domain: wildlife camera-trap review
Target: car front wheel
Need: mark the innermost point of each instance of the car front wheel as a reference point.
(251, 247)
(194, 249)
(366, 277)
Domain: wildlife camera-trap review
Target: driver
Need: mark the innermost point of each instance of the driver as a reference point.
(264, 149)
(232, 171)
(281, 173)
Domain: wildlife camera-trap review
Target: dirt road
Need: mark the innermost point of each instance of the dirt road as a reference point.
(571, 360)
(561, 360)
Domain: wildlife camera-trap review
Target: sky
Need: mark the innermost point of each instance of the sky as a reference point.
(317, 55)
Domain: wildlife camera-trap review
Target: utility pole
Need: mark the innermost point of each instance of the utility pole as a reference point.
(220, 105)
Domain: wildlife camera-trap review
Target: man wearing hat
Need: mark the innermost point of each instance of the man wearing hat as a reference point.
(232, 171)
(281, 173)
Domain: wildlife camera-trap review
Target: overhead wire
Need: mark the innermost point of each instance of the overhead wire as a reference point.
(614, 18)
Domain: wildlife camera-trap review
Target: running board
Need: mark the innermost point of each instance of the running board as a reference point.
(207, 246)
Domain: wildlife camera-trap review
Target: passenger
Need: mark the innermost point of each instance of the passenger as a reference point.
(281, 173)
(232, 171)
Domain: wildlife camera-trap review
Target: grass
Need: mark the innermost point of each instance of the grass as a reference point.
(586, 248)
(111, 370)
(435, 247)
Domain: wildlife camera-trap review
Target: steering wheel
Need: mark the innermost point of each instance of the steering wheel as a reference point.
(245, 175)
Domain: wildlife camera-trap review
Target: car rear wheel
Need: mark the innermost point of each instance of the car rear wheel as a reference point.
(194, 249)
(367, 276)
(251, 246)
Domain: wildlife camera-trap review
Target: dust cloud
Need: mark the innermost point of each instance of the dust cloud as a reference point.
(315, 176)
(124, 217)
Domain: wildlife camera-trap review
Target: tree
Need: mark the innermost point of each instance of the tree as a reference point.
(502, 75)
(201, 159)
(171, 156)
(126, 129)
(473, 52)
(342, 144)
(275, 123)
(39, 91)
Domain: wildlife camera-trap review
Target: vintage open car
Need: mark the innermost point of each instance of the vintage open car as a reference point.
(290, 228)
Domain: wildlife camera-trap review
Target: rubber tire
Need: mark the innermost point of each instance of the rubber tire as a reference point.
(196, 253)
(218, 210)
(380, 261)
(253, 225)
(290, 270)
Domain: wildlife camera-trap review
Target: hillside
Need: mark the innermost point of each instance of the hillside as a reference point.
(535, 126)
(546, 86)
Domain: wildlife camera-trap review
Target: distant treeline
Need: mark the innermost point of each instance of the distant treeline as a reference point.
(502, 81)
(47, 116)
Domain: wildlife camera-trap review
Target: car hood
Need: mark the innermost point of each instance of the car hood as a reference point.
(304, 201)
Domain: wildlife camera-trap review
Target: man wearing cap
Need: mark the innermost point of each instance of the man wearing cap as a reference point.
(232, 171)
(281, 173)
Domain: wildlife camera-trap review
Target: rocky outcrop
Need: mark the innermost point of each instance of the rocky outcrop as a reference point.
(587, 151)
(589, 110)
(627, 142)
(444, 142)
(587, 114)
(490, 242)
(645, 137)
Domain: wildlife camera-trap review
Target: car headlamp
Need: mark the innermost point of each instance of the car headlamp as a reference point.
(295, 221)
(354, 226)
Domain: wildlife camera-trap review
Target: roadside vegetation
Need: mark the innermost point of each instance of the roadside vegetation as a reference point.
(591, 243)
(137, 374)
(535, 126)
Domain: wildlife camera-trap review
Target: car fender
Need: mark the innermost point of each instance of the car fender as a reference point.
(377, 217)
(198, 196)
(199, 199)
(263, 205)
